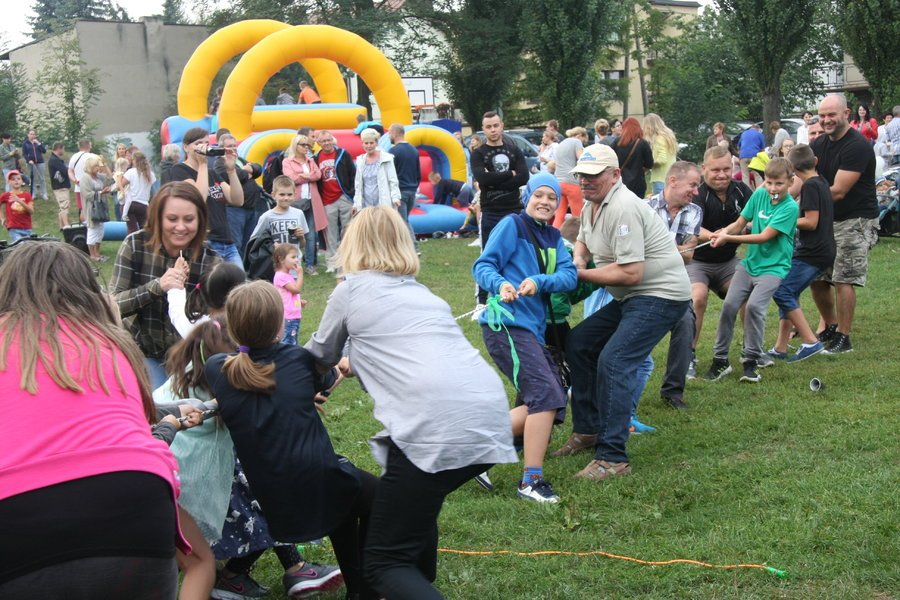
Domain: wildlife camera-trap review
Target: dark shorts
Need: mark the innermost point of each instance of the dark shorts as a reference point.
(715, 276)
(538, 379)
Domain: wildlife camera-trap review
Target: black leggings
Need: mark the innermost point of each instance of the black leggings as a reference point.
(110, 578)
(349, 539)
(401, 547)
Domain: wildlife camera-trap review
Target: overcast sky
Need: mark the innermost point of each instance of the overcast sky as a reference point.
(14, 27)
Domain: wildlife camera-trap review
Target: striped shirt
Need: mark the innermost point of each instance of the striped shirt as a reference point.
(686, 222)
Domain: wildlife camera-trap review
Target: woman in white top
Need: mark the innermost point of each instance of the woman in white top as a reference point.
(376, 177)
(547, 152)
(136, 183)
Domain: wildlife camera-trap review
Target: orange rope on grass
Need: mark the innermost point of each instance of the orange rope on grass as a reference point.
(777, 572)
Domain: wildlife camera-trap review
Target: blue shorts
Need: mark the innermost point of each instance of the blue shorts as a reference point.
(539, 386)
(787, 296)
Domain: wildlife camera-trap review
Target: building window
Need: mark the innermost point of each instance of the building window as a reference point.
(620, 74)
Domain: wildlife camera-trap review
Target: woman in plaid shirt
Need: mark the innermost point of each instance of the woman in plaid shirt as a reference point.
(170, 252)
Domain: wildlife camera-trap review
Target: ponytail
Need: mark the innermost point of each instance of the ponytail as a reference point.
(255, 315)
(245, 374)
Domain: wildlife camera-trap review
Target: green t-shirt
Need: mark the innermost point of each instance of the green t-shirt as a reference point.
(772, 257)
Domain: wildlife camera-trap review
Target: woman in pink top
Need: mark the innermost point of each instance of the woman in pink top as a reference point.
(87, 496)
(304, 171)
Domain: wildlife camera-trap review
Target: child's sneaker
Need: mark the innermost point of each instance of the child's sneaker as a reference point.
(776, 355)
(312, 580)
(718, 369)
(538, 491)
(484, 481)
(750, 373)
(764, 361)
(239, 587)
(806, 351)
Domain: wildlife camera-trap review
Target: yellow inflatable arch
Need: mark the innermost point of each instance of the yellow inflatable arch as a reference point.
(280, 48)
(228, 42)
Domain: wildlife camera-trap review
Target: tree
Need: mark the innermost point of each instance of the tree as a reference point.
(13, 97)
(483, 54)
(870, 32)
(769, 35)
(564, 39)
(70, 90)
(173, 12)
(55, 16)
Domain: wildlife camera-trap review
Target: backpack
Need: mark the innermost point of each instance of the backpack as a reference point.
(272, 168)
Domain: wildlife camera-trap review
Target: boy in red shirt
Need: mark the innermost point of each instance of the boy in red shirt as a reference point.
(18, 208)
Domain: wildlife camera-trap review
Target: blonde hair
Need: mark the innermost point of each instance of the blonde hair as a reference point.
(291, 151)
(654, 127)
(90, 162)
(369, 134)
(49, 296)
(254, 313)
(378, 240)
(576, 131)
(122, 164)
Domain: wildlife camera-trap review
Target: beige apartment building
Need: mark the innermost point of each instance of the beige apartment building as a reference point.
(140, 66)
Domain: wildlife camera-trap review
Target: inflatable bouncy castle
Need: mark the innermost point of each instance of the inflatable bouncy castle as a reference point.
(268, 46)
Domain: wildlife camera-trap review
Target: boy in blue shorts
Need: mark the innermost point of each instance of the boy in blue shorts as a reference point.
(772, 213)
(814, 254)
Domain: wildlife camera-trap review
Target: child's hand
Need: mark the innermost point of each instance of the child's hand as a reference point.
(194, 416)
(303, 303)
(527, 288)
(719, 239)
(173, 278)
(508, 293)
(182, 265)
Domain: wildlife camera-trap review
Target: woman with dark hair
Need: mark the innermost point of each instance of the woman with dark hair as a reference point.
(170, 252)
(87, 496)
(865, 123)
(635, 156)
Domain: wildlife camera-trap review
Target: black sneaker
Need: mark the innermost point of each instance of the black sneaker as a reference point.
(718, 369)
(676, 403)
(840, 344)
(826, 335)
(538, 491)
(750, 373)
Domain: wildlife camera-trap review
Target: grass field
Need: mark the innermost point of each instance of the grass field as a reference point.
(769, 473)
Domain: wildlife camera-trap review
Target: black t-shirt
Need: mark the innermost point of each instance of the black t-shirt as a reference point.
(817, 247)
(718, 214)
(633, 164)
(215, 202)
(850, 153)
(491, 168)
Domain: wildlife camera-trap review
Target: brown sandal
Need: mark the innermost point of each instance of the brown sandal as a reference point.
(598, 470)
(576, 443)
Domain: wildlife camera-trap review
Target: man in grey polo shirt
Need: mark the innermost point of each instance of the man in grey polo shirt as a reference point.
(636, 259)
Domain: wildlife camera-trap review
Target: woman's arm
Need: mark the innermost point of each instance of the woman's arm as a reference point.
(393, 183)
(132, 299)
(327, 343)
(315, 173)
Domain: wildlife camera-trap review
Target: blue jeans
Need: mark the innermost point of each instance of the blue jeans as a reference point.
(407, 203)
(645, 370)
(311, 252)
(156, 368)
(291, 331)
(17, 234)
(605, 352)
(787, 296)
(241, 223)
(228, 252)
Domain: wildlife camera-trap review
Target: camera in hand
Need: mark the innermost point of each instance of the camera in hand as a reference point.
(212, 151)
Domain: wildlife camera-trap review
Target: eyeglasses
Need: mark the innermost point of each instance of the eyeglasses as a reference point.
(304, 145)
(590, 177)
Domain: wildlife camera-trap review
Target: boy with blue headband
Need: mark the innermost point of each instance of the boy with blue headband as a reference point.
(523, 262)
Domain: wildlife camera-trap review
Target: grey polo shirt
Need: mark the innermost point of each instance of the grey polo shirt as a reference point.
(628, 230)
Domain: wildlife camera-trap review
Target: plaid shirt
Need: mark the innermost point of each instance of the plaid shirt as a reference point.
(686, 222)
(141, 300)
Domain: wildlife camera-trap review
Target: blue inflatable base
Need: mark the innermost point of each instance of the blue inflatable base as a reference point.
(437, 217)
(114, 231)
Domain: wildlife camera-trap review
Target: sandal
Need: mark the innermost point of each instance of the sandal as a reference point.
(576, 443)
(598, 470)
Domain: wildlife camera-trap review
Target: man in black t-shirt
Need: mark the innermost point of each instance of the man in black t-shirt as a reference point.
(722, 199)
(500, 169)
(195, 169)
(847, 162)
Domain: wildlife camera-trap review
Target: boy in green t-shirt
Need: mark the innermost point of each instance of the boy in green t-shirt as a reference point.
(772, 213)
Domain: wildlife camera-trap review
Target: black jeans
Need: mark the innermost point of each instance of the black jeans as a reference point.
(400, 556)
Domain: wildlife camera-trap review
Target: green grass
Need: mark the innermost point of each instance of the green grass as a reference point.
(769, 473)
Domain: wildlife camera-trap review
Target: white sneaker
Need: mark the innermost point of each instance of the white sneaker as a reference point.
(479, 308)
(484, 481)
(476, 243)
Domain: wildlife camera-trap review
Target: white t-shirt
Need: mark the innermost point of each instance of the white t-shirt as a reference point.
(138, 189)
(76, 163)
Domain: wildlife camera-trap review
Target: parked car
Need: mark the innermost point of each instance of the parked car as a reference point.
(789, 125)
(528, 149)
(535, 136)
